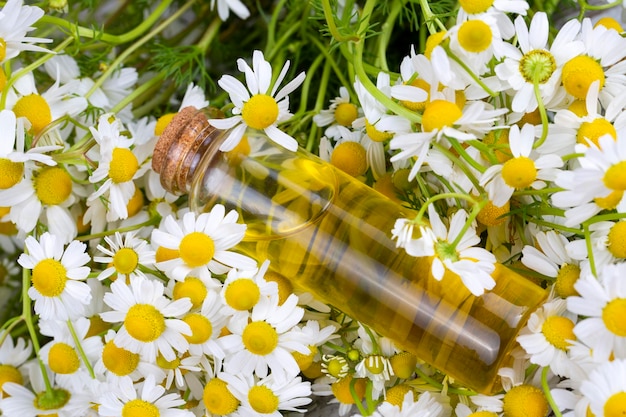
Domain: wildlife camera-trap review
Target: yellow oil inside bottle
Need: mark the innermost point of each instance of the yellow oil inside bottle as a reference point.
(331, 235)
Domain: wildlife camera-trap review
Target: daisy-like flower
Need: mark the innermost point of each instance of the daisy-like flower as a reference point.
(265, 342)
(13, 354)
(341, 112)
(455, 253)
(548, 336)
(375, 364)
(535, 62)
(607, 244)
(119, 164)
(426, 405)
(342, 391)
(151, 322)
(224, 7)
(145, 399)
(525, 169)
(56, 276)
(603, 303)
(125, 254)
(206, 326)
(16, 21)
(243, 289)
(267, 396)
(202, 243)
(597, 184)
(606, 389)
(350, 153)
(498, 9)
(255, 105)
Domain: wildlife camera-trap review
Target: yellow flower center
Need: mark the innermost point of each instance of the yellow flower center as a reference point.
(418, 105)
(579, 73)
(123, 165)
(3, 79)
(201, 328)
(10, 173)
(475, 36)
(51, 399)
(218, 399)
(262, 399)
(304, 361)
(350, 157)
(162, 123)
(375, 364)
(375, 134)
(615, 406)
(3, 49)
(403, 364)
(165, 254)
(135, 204)
(613, 316)
(565, 279)
(336, 367)
(119, 360)
(617, 240)
(36, 109)
(439, 114)
(125, 260)
(9, 373)
(49, 277)
(609, 23)
(165, 364)
(491, 215)
(341, 389)
(498, 140)
(196, 249)
(192, 288)
(578, 107)
(260, 338)
(475, 6)
(242, 294)
(594, 130)
(144, 322)
(433, 41)
(483, 414)
(260, 111)
(558, 331)
(395, 395)
(97, 326)
(285, 289)
(615, 177)
(610, 201)
(140, 408)
(525, 401)
(519, 172)
(345, 114)
(63, 359)
(53, 185)
(537, 64)
(239, 152)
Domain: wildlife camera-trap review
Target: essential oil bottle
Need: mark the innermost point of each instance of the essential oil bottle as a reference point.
(330, 235)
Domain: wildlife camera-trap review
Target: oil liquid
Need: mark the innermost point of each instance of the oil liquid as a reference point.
(330, 235)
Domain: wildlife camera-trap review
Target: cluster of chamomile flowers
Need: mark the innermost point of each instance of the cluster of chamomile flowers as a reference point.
(496, 132)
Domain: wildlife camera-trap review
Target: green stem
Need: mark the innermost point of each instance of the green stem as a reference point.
(332, 27)
(542, 111)
(470, 219)
(548, 393)
(152, 221)
(436, 384)
(357, 400)
(461, 165)
(208, 36)
(466, 157)
(385, 36)
(469, 72)
(592, 263)
(442, 196)
(78, 31)
(429, 18)
(81, 351)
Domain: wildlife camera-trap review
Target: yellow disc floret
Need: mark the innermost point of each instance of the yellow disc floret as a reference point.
(594, 130)
(260, 111)
(125, 260)
(439, 114)
(475, 36)
(135, 204)
(119, 360)
(395, 395)
(519, 172)
(144, 322)
(192, 288)
(617, 240)
(492, 215)
(49, 277)
(9, 373)
(36, 109)
(615, 177)
(578, 74)
(260, 338)
(305, 361)
(242, 294)
(166, 254)
(350, 157)
(433, 41)
(262, 399)
(615, 405)
(610, 201)
(345, 114)
(613, 316)
(63, 359)
(140, 408)
(53, 185)
(162, 123)
(565, 279)
(285, 289)
(201, 328)
(475, 6)
(537, 65)
(375, 134)
(218, 399)
(3, 49)
(609, 23)
(341, 389)
(558, 331)
(418, 105)
(10, 173)
(196, 249)
(123, 165)
(403, 364)
(525, 401)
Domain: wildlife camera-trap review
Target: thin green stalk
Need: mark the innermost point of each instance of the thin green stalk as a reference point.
(548, 393)
(81, 351)
(357, 400)
(542, 111)
(385, 35)
(332, 26)
(469, 71)
(150, 222)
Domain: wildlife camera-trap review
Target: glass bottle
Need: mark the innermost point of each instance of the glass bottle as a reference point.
(330, 234)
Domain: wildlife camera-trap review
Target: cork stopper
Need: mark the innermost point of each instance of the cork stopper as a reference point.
(179, 147)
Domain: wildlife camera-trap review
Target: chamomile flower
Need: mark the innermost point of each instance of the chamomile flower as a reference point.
(474, 265)
(548, 336)
(499, 9)
(206, 326)
(255, 105)
(267, 396)
(13, 354)
(354, 153)
(224, 7)
(16, 20)
(535, 62)
(343, 390)
(125, 255)
(265, 342)
(426, 405)
(603, 303)
(607, 244)
(243, 289)
(341, 112)
(151, 323)
(181, 371)
(201, 243)
(119, 164)
(146, 398)
(606, 389)
(525, 169)
(13, 154)
(56, 276)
